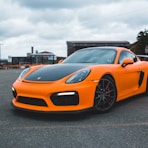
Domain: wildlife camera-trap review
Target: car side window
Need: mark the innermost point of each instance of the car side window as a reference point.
(126, 54)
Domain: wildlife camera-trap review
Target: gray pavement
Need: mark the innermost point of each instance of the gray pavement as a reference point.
(126, 126)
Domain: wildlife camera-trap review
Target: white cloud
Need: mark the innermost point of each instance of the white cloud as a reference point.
(54, 4)
(48, 24)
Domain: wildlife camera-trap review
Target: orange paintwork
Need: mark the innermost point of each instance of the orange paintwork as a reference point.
(126, 81)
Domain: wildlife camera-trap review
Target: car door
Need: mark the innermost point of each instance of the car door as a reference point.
(129, 75)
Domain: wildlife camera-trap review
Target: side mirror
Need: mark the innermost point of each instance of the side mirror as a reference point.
(127, 62)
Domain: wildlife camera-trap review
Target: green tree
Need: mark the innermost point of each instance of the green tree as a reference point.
(142, 40)
(143, 37)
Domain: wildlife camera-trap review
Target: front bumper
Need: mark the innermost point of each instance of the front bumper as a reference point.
(53, 97)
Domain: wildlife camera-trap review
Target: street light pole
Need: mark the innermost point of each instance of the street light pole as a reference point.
(0, 54)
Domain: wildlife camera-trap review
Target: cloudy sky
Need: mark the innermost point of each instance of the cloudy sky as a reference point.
(48, 24)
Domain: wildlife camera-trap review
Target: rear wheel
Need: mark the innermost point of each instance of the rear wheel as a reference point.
(105, 94)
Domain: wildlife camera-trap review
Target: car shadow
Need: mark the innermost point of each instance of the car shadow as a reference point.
(128, 100)
(64, 116)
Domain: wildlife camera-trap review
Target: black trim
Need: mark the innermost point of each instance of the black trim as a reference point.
(141, 78)
(54, 112)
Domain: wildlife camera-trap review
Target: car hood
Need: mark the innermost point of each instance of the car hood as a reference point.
(54, 72)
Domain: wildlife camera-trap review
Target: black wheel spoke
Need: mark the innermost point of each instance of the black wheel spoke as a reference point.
(107, 86)
(108, 92)
(105, 95)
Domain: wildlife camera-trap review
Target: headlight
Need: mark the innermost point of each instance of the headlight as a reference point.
(79, 76)
(23, 73)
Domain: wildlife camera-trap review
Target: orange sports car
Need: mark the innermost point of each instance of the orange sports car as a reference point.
(95, 77)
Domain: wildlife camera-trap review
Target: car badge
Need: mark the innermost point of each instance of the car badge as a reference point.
(39, 78)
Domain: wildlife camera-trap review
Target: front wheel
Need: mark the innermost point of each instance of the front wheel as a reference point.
(105, 94)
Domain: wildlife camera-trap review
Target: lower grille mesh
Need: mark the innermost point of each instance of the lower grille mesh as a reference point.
(31, 101)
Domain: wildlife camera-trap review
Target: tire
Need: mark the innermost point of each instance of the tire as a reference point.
(105, 94)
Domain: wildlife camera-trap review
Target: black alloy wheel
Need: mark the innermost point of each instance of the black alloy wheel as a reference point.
(105, 94)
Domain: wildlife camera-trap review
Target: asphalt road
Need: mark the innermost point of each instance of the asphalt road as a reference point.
(126, 126)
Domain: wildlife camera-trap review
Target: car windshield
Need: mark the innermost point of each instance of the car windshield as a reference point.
(93, 55)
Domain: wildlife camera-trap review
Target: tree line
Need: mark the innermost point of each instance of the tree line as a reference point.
(142, 41)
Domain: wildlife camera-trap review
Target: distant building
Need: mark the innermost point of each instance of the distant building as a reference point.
(44, 57)
(73, 46)
(35, 58)
(3, 62)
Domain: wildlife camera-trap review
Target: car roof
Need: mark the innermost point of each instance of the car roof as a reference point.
(106, 47)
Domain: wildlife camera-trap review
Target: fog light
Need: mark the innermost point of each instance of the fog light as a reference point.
(65, 98)
(65, 93)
